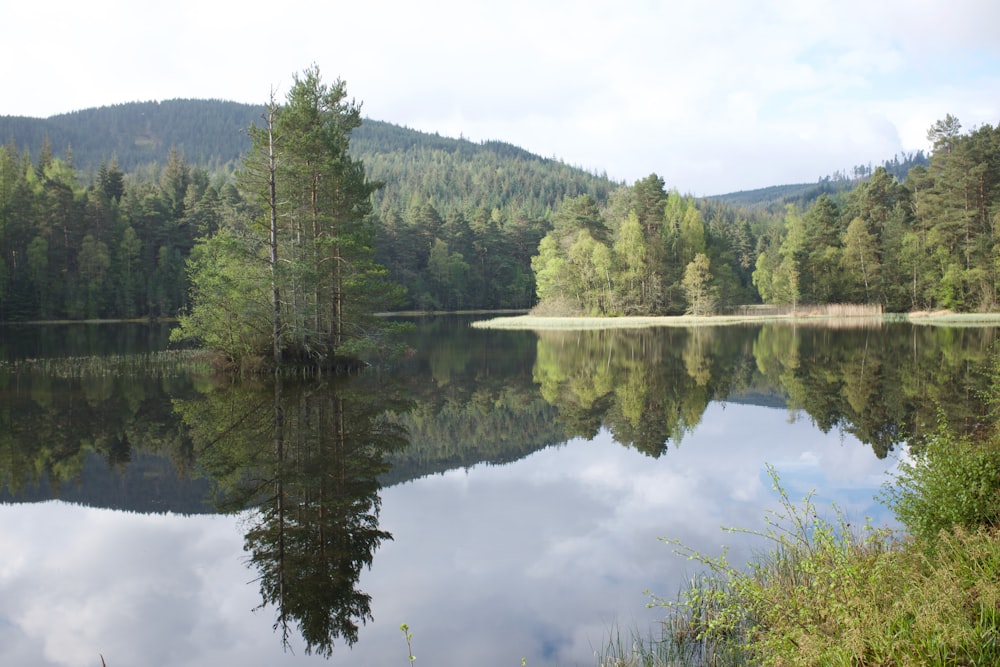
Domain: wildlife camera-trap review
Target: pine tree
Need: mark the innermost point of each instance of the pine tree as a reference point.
(308, 248)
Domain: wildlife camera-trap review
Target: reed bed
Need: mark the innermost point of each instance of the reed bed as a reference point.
(832, 315)
(168, 363)
(831, 310)
(951, 319)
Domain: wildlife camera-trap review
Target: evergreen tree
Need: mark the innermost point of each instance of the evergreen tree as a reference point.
(313, 202)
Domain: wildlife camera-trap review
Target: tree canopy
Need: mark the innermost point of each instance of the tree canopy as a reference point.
(293, 277)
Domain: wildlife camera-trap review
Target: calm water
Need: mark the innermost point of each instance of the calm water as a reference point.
(501, 493)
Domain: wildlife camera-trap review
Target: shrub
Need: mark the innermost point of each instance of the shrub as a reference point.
(950, 481)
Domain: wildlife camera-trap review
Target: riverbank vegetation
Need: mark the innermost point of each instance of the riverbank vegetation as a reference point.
(831, 593)
(923, 243)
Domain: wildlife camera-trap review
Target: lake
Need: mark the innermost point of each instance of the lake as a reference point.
(501, 493)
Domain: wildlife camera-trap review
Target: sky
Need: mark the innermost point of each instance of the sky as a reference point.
(714, 96)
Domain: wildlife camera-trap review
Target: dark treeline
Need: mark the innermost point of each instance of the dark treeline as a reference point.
(114, 247)
(463, 225)
(87, 234)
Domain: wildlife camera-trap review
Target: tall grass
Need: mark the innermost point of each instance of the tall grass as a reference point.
(169, 363)
(833, 315)
(830, 593)
(833, 310)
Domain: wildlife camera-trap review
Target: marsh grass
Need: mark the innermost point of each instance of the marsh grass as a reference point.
(950, 319)
(838, 315)
(832, 310)
(830, 593)
(841, 316)
(169, 363)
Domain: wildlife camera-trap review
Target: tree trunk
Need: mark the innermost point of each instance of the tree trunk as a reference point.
(273, 241)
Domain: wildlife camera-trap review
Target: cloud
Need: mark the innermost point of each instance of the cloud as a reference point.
(713, 95)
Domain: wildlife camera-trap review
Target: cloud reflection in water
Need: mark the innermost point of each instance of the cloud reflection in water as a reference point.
(536, 559)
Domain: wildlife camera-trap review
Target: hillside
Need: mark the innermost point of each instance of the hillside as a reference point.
(493, 174)
(773, 199)
(453, 173)
(209, 133)
(101, 208)
(460, 175)
(149, 178)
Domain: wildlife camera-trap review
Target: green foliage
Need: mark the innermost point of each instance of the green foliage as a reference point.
(924, 239)
(493, 198)
(230, 309)
(697, 285)
(949, 481)
(103, 250)
(551, 275)
(828, 593)
(299, 266)
(631, 257)
(405, 629)
(926, 244)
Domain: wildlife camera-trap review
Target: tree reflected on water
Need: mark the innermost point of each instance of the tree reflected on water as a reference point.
(884, 384)
(648, 386)
(303, 461)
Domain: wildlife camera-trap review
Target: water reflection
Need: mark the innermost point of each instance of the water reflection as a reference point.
(306, 459)
(650, 387)
(102, 438)
(489, 563)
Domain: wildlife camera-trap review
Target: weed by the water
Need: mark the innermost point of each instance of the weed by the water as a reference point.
(827, 593)
(405, 629)
(168, 363)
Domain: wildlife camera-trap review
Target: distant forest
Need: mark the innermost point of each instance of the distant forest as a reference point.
(99, 210)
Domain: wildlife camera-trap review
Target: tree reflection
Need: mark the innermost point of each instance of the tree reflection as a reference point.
(304, 459)
(647, 387)
(885, 385)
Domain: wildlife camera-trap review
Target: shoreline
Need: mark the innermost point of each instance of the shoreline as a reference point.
(548, 323)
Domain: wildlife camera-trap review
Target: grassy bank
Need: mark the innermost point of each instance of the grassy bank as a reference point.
(829, 593)
(542, 323)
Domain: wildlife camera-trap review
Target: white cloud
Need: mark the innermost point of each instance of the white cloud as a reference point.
(714, 95)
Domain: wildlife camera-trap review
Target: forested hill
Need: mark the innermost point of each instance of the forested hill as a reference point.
(775, 198)
(100, 210)
(454, 173)
(211, 134)
(461, 175)
(131, 187)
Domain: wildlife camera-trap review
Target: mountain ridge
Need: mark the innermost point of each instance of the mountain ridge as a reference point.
(212, 133)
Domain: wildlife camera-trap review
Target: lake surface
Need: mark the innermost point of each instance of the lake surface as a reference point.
(502, 493)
